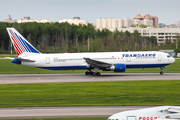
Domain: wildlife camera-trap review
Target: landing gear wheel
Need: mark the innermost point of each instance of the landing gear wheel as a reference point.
(98, 73)
(87, 73)
(161, 73)
(93, 74)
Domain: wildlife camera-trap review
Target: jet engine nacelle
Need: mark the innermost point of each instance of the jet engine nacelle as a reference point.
(116, 68)
(119, 67)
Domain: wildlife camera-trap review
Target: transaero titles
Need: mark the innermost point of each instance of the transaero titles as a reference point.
(150, 55)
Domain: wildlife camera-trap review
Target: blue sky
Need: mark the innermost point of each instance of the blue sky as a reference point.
(168, 11)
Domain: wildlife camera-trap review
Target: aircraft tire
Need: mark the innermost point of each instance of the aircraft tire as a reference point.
(98, 73)
(161, 73)
(87, 73)
(93, 74)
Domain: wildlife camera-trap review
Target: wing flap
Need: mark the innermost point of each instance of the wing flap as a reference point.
(96, 63)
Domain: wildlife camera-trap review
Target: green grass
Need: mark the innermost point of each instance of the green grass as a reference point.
(6, 67)
(7, 55)
(91, 94)
(65, 119)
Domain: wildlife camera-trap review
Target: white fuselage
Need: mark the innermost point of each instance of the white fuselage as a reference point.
(154, 113)
(73, 61)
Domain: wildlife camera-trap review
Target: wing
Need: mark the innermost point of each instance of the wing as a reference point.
(96, 63)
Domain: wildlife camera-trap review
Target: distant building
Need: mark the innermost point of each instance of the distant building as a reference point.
(174, 25)
(42, 21)
(162, 25)
(147, 16)
(75, 20)
(172, 53)
(178, 55)
(27, 19)
(162, 34)
(9, 20)
(117, 23)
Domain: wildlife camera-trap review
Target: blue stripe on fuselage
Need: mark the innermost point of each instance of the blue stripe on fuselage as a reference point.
(65, 68)
(146, 65)
(85, 67)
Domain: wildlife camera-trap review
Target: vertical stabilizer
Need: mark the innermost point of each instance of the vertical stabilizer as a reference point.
(20, 44)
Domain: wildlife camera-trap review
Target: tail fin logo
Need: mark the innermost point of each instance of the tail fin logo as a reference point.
(21, 45)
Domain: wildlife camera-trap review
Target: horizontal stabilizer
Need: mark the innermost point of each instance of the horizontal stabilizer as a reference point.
(25, 59)
(21, 59)
(10, 58)
(174, 109)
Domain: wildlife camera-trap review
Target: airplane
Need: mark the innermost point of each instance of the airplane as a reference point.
(107, 61)
(153, 113)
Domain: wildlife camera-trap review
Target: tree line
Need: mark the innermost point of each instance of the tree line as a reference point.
(61, 37)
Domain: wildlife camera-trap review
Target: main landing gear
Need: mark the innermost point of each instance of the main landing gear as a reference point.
(92, 73)
(161, 73)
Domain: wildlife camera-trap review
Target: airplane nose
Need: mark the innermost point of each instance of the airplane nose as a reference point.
(172, 60)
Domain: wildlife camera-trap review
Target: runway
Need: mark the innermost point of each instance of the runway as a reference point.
(63, 112)
(57, 78)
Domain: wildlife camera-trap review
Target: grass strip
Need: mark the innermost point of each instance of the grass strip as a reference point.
(6, 67)
(91, 94)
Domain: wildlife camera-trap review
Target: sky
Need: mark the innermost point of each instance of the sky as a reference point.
(168, 11)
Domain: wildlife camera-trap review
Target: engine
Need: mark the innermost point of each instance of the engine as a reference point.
(116, 68)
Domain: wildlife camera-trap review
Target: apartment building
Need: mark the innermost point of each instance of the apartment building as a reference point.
(110, 23)
(162, 34)
(27, 19)
(75, 20)
(148, 17)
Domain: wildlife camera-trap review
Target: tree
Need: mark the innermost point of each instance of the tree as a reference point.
(143, 26)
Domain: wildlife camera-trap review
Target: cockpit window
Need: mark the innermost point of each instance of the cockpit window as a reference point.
(168, 56)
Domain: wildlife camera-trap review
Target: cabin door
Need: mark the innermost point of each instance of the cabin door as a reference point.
(47, 60)
(159, 57)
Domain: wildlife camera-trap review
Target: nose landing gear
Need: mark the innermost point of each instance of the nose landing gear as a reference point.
(161, 73)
